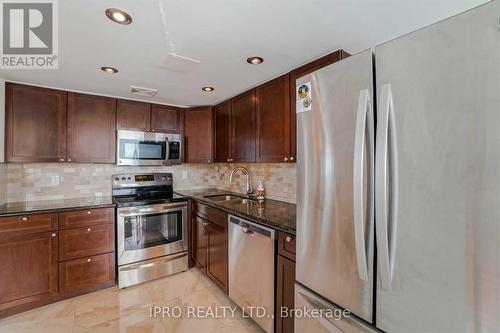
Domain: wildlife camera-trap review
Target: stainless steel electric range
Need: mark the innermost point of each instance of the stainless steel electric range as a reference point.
(151, 227)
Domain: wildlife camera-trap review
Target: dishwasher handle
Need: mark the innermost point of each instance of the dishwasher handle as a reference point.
(252, 228)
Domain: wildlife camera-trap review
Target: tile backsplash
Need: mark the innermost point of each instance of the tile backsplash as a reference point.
(46, 181)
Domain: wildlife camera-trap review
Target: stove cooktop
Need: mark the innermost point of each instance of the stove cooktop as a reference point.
(133, 201)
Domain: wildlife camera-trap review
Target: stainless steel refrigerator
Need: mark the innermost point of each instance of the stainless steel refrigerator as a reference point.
(423, 183)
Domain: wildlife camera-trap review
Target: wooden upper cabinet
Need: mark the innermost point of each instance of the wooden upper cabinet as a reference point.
(166, 118)
(273, 121)
(91, 128)
(35, 124)
(133, 115)
(243, 127)
(222, 114)
(198, 124)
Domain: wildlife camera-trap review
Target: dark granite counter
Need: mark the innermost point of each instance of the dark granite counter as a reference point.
(45, 206)
(272, 213)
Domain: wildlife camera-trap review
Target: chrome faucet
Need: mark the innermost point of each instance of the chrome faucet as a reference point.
(249, 186)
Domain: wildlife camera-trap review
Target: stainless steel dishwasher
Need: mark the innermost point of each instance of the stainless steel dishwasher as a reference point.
(251, 270)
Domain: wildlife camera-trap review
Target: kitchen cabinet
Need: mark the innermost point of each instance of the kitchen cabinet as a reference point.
(35, 124)
(198, 138)
(133, 115)
(285, 281)
(285, 293)
(167, 119)
(29, 268)
(273, 121)
(54, 256)
(199, 242)
(222, 114)
(243, 127)
(210, 243)
(297, 73)
(91, 129)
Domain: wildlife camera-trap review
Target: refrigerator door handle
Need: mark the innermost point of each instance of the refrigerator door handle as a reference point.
(364, 123)
(386, 225)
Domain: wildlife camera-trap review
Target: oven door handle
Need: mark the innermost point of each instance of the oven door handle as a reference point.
(151, 212)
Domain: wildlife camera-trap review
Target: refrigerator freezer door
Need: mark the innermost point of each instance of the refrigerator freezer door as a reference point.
(438, 165)
(331, 260)
(314, 314)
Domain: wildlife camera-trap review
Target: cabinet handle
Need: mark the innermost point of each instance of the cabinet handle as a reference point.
(61, 160)
(25, 219)
(89, 259)
(208, 161)
(89, 212)
(285, 159)
(53, 234)
(292, 158)
(89, 230)
(152, 130)
(205, 224)
(288, 239)
(69, 159)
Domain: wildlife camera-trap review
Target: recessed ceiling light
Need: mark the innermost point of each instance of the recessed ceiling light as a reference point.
(109, 70)
(118, 16)
(255, 60)
(207, 88)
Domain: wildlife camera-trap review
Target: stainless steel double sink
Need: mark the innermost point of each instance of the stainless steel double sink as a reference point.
(230, 198)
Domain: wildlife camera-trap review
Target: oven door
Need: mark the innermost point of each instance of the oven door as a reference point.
(151, 231)
(141, 148)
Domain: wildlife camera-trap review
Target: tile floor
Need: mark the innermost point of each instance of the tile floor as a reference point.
(128, 310)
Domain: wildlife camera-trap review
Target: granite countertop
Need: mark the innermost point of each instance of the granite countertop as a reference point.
(275, 214)
(31, 207)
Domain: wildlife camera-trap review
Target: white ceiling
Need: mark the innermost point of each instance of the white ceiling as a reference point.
(220, 35)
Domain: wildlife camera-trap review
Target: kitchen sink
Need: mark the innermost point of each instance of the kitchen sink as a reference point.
(234, 199)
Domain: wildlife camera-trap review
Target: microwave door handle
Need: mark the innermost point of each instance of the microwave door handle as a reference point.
(167, 149)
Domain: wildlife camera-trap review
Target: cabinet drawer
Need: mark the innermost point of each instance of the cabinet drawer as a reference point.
(211, 214)
(286, 245)
(87, 217)
(86, 273)
(86, 241)
(27, 224)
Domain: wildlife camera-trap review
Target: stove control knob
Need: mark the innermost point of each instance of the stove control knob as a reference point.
(164, 178)
(123, 178)
(117, 178)
(129, 178)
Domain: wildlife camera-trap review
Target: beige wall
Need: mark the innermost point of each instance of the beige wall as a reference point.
(35, 181)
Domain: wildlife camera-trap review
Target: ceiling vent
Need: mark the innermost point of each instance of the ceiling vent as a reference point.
(148, 92)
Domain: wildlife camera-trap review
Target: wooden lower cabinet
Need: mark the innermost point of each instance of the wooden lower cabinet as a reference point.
(285, 293)
(49, 257)
(92, 272)
(209, 248)
(217, 255)
(29, 269)
(199, 239)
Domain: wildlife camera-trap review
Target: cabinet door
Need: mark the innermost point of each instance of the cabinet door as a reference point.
(217, 260)
(273, 121)
(222, 113)
(243, 127)
(29, 268)
(91, 128)
(35, 124)
(166, 118)
(133, 115)
(199, 239)
(285, 285)
(199, 135)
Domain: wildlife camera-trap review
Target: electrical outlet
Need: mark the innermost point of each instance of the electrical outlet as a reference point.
(55, 179)
(184, 175)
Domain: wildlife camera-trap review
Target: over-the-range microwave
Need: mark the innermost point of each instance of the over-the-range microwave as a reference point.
(148, 148)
